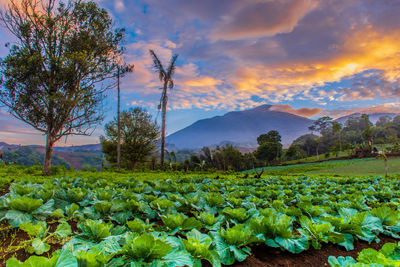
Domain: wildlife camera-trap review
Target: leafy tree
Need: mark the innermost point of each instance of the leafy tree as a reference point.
(383, 121)
(165, 77)
(268, 151)
(321, 124)
(368, 132)
(395, 125)
(230, 157)
(294, 152)
(337, 129)
(208, 157)
(272, 136)
(307, 143)
(50, 76)
(138, 135)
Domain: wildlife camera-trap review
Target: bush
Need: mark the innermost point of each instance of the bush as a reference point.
(395, 149)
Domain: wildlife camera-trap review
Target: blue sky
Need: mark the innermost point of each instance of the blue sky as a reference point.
(307, 57)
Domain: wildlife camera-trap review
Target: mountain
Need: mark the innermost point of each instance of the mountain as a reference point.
(5, 146)
(79, 157)
(82, 148)
(373, 117)
(241, 128)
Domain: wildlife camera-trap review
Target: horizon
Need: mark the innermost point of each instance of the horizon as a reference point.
(277, 108)
(309, 58)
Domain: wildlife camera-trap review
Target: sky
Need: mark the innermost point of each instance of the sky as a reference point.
(307, 57)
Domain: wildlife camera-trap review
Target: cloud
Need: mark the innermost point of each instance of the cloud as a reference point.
(393, 107)
(263, 18)
(119, 5)
(201, 82)
(365, 50)
(304, 112)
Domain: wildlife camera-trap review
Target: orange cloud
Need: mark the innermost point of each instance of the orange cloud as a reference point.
(304, 112)
(361, 50)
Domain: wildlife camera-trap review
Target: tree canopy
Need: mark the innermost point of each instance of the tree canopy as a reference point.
(52, 78)
(139, 134)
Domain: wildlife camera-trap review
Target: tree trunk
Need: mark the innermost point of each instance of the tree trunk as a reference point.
(133, 164)
(340, 141)
(47, 156)
(164, 116)
(386, 168)
(119, 125)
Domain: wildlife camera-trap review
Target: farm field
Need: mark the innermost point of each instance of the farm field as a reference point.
(198, 221)
(353, 167)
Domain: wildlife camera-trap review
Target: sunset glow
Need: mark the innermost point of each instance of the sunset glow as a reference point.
(306, 57)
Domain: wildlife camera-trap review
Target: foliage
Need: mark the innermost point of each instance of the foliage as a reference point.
(388, 255)
(138, 137)
(268, 151)
(272, 137)
(50, 83)
(178, 221)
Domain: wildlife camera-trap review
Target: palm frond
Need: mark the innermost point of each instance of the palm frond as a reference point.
(172, 67)
(171, 84)
(158, 67)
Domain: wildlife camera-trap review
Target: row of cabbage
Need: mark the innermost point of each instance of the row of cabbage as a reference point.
(387, 256)
(182, 222)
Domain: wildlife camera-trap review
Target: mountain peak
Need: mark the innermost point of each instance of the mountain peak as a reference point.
(261, 108)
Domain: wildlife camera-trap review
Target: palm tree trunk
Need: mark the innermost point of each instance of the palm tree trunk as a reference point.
(119, 125)
(164, 116)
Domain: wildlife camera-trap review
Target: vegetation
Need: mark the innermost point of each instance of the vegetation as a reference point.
(181, 221)
(50, 74)
(388, 255)
(138, 133)
(213, 206)
(270, 146)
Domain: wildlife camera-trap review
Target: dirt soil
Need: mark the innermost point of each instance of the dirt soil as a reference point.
(5, 190)
(264, 256)
(12, 241)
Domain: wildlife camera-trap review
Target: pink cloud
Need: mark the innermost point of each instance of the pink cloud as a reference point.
(304, 112)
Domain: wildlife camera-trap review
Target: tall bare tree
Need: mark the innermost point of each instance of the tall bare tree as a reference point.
(53, 77)
(165, 77)
(122, 69)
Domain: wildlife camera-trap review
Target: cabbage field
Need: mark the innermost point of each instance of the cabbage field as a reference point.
(195, 221)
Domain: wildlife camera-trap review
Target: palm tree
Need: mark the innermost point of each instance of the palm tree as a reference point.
(165, 77)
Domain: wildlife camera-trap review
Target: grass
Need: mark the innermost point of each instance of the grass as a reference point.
(370, 166)
(351, 167)
(320, 157)
(348, 167)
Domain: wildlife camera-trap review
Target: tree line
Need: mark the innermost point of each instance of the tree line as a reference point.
(357, 135)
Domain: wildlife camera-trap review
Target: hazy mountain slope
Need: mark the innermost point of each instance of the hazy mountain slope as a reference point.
(240, 127)
(373, 117)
